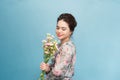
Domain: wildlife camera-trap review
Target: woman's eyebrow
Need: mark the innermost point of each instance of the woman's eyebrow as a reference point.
(60, 27)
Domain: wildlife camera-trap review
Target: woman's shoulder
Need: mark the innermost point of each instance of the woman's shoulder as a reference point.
(68, 47)
(68, 44)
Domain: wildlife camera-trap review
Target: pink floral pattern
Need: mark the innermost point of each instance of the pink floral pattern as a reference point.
(62, 66)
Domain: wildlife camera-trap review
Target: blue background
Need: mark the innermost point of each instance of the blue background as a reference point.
(24, 23)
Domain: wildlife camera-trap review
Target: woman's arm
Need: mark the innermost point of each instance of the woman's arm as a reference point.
(63, 60)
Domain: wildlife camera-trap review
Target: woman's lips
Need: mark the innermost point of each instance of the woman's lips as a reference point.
(59, 35)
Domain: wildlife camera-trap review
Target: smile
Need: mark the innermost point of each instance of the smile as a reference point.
(59, 35)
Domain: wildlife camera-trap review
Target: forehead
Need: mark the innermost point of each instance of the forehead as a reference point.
(62, 23)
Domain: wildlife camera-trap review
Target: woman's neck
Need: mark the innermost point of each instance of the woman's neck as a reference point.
(65, 40)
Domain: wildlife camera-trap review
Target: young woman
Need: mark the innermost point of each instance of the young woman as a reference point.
(62, 66)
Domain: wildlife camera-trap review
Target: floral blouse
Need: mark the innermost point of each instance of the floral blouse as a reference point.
(62, 65)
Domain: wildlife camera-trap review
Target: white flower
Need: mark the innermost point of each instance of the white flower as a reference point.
(46, 52)
(44, 41)
(52, 36)
(48, 34)
(49, 38)
(49, 44)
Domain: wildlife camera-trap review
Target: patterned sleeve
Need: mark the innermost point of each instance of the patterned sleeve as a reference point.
(63, 60)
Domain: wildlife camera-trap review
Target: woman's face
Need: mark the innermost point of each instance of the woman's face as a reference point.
(63, 31)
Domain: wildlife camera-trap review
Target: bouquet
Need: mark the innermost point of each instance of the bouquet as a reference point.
(49, 47)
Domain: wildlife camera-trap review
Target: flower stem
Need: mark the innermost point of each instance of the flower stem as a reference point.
(42, 75)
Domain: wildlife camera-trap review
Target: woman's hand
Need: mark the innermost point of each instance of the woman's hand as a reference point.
(44, 66)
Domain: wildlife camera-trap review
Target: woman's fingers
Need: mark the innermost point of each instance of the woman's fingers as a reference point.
(43, 66)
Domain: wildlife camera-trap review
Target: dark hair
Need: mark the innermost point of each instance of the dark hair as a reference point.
(69, 18)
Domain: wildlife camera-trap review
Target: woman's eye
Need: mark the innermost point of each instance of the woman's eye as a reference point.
(63, 29)
(57, 28)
